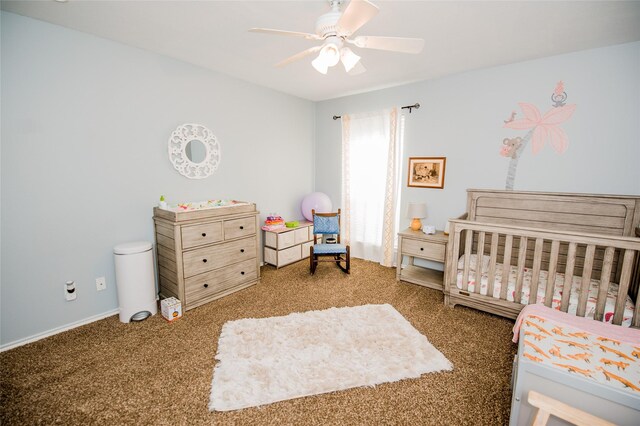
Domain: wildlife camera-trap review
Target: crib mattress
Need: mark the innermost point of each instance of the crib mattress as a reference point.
(612, 293)
(596, 358)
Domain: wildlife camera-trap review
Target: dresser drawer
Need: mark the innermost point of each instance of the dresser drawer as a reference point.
(237, 228)
(305, 249)
(289, 255)
(270, 256)
(427, 250)
(301, 235)
(197, 235)
(271, 239)
(213, 282)
(286, 239)
(206, 259)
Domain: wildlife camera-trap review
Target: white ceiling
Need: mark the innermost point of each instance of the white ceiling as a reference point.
(459, 35)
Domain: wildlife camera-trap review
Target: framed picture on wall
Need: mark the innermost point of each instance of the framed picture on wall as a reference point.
(427, 172)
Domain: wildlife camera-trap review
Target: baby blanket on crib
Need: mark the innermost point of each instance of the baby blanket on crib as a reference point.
(604, 353)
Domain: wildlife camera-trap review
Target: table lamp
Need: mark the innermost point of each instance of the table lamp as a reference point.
(416, 211)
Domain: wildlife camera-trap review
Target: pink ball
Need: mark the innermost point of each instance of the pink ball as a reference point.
(317, 201)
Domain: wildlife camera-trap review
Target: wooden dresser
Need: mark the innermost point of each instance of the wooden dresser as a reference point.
(206, 254)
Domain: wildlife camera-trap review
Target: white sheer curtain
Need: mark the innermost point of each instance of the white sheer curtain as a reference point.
(370, 169)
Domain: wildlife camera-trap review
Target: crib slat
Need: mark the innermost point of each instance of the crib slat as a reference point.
(522, 257)
(605, 277)
(455, 250)
(551, 278)
(480, 261)
(568, 277)
(506, 266)
(535, 275)
(467, 259)
(586, 280)
(635, 322)
(625, 279)
(492, 263)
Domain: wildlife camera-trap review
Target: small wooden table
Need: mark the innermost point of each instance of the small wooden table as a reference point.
(417, 244)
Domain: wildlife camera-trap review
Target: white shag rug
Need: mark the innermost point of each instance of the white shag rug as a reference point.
(261, 361)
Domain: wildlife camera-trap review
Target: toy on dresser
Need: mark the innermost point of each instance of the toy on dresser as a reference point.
(273, 222)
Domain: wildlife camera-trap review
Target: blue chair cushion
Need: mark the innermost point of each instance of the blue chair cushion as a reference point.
(326, 224)
(329, 249)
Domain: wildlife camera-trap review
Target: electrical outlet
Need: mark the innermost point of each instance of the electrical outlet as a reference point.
(101, 284)
(70, 291)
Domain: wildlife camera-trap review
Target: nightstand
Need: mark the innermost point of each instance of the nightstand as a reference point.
(417, 244)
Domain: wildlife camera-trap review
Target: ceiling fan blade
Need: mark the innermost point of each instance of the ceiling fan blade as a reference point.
(394, 44)
(308, 36)
(357, 13)
(299, 55)
(357, 69)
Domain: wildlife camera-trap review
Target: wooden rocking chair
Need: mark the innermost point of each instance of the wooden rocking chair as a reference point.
(328, 224)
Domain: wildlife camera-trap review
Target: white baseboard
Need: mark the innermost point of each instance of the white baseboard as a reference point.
(57, 330)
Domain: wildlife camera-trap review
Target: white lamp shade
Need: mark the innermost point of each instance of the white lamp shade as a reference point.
(320, 64)
(331, 54)
(349, 59)
(417, 210)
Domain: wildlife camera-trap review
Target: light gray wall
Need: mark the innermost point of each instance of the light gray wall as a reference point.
(85, 125)
(461, 118)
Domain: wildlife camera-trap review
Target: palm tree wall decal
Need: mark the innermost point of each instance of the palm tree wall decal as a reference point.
(541, 128)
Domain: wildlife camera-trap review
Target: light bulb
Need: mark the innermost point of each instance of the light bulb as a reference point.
(349, 59)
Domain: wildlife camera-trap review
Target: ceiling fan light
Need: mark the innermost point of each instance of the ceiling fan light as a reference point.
(331, 54)
(349, 59)
(320, 64)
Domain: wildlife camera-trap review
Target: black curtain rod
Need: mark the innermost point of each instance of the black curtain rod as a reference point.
(409, 107)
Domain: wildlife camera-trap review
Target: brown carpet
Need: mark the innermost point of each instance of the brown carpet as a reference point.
(156, 372)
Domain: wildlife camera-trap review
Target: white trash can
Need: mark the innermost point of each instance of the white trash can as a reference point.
(135, 280)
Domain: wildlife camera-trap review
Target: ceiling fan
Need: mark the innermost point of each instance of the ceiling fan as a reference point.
(335, 29)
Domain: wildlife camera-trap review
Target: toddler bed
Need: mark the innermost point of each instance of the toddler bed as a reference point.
(575, 252)
(591, 366)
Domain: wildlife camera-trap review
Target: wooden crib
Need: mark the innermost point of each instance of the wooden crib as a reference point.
(574, 252)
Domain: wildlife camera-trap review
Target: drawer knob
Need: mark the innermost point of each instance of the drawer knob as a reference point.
(241, 250)
(206, 285)
(242, 273)
(204, 260)
(242, 227)
(204, 234)
(421, 248)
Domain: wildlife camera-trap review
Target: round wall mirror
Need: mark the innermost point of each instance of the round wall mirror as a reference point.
(194, 151)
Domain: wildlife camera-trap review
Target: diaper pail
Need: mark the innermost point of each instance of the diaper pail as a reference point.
(135, 280)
